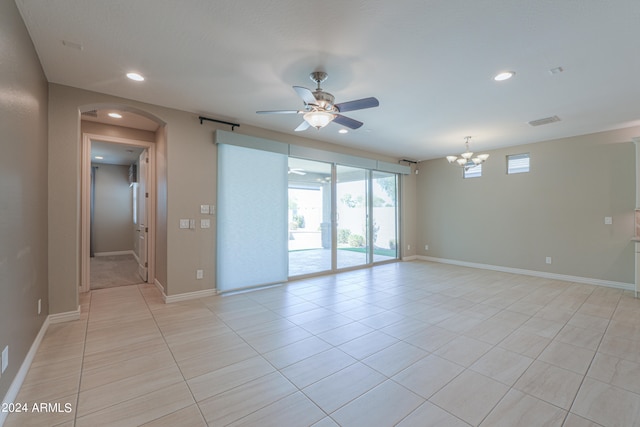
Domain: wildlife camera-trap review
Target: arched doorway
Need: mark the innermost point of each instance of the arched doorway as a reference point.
(119, 127)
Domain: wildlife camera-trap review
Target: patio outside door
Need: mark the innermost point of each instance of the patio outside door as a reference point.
(309, 217)
(352, 215)
(385, 216)
(364, 229)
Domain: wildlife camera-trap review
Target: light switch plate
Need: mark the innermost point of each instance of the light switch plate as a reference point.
(184, 223)
(608, 220)
(205, 223)
(204, 209)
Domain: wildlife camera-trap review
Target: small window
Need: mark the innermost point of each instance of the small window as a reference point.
(473, 172)
(517, 163)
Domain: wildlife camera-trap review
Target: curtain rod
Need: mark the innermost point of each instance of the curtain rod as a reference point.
(233, 125)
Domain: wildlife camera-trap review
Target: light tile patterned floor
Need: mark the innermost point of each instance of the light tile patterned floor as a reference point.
(408, 344)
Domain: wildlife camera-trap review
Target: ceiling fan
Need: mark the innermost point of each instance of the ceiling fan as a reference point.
(319, 108)
(296, 171)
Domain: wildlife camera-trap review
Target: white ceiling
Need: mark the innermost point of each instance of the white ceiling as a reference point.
(430, 63)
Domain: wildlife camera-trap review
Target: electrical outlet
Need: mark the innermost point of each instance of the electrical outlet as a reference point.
(426, 247)
(608, 220)
(204, 209)
(212, 209)
(5, 359)
(548, 260)
(408, 247)
(184, 223)
(205, 223)
(199, 274)
(192, 224)
(39, 305)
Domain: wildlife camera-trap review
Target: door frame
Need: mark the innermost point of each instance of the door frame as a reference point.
(85, 204)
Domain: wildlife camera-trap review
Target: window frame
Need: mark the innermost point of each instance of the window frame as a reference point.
(516, 157)
(471, 172)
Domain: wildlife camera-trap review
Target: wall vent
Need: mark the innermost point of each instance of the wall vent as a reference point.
(91, 113)
(544, 121)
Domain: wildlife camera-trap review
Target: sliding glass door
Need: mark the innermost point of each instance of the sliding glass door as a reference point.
(385, 216)
(364, 229)
(290, 211)
(352, 216)
(309, 217)
(251, 218)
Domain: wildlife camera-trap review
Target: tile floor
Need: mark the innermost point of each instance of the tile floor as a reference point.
(407, 344)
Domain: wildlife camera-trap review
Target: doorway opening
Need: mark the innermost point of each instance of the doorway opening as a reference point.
(117, 238)
(118, 206)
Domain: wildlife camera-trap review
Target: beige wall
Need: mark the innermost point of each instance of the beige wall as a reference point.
(113, 209)
(117, 131)
(408, 209)
(556, 210)
(23, 192)
(186, 174)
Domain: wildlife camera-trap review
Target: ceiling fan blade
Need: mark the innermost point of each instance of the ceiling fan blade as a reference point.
(306, 95)
(348, 122)
(359, 104)
(280, 112)
(303, 126)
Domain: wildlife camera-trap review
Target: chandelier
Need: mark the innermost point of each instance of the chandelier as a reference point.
(466, 159)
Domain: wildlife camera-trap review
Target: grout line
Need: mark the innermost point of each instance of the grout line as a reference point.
(592, 359)
(153, 316)
(84, 348)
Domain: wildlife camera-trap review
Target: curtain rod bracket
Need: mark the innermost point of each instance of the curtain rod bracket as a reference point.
(233, 125)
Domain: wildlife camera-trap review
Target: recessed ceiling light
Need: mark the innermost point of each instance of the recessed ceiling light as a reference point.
(115, 115)
(343, 131)
(135, 76)
(506, 75)
(98, 157)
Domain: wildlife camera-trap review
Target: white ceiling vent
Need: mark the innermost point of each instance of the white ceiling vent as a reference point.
(544, 121)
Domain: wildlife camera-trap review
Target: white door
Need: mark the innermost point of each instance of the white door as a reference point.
(143, 212)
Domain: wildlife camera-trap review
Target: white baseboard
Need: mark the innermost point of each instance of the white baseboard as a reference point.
(543, 274)
(159, 286)
(98, 254)
(135, 256)
(68, 316)
(168, 299)
(410, 258)
(14, 388)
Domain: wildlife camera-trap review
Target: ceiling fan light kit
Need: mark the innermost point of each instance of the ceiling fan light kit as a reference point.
(319, 119)
(466, 159)
(320, 109)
